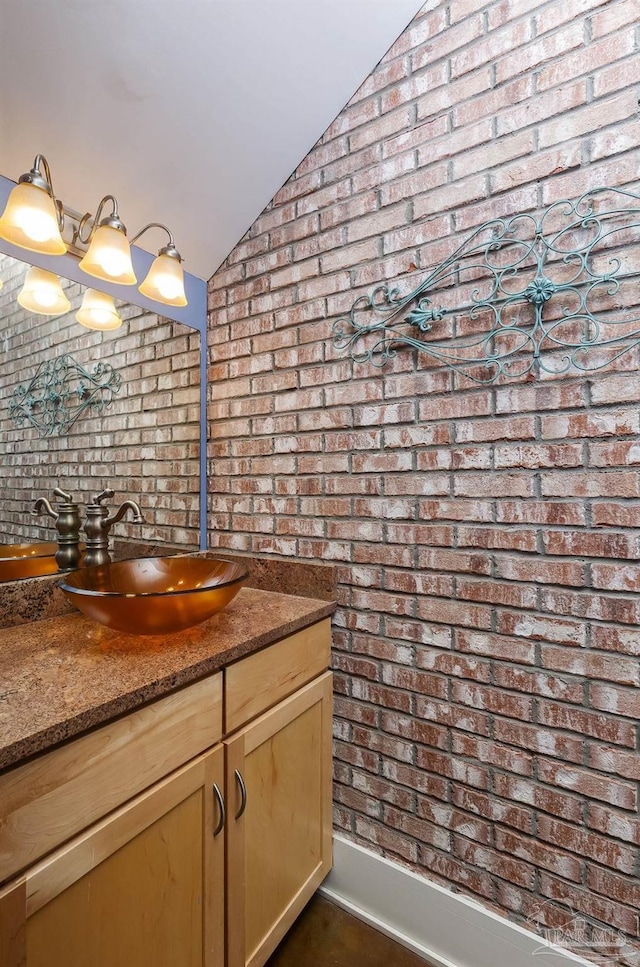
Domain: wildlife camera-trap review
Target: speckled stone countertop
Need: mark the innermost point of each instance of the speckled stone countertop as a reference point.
(62, 676)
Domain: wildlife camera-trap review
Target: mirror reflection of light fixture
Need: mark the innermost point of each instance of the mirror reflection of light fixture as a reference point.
(33, 217)
(109, 254)
(164, 281)
(98, 311)
(42, 293)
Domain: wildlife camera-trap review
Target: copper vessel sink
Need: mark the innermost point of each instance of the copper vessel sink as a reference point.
(27, 560)
(154, 595)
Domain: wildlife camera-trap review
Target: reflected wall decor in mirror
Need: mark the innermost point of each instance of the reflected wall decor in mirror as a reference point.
(146, 444)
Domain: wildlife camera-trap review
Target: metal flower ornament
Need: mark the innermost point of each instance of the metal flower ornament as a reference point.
(520, 296)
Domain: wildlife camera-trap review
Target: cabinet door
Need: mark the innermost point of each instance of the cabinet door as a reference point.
(279, 827)
(144, 887)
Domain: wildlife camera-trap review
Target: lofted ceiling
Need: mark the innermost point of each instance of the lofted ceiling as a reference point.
(190, 112)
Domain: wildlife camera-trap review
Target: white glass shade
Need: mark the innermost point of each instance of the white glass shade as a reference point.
(98, 311)
(30, 221)
(165, 282)
(42, 293)
(109, 257)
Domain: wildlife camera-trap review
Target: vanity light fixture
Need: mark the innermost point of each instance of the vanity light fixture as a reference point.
(42, 293)
(33, 217)
(164, 281)
(109, 254)
(98, 311)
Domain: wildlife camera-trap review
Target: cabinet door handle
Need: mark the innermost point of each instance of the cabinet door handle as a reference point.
(223, 813)
(243, 794)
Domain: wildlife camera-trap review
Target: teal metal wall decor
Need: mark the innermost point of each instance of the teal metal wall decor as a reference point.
(60, 391)
(520, 296)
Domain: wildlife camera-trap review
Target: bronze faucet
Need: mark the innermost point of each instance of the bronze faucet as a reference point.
(98, 524)
(67, 520)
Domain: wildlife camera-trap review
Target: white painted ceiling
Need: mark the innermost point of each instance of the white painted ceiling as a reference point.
(190, 112)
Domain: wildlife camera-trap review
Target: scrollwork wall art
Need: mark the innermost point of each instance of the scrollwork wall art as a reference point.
(520, 297)
(60, 391)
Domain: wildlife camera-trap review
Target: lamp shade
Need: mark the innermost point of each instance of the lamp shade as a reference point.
(98, 311)
(30, 221)
(165, 281)
(109, 256)
(42, 293)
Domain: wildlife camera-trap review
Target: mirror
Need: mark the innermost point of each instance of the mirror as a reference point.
(143, 443)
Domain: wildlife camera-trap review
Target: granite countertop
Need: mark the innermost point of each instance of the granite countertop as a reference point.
(64, 675)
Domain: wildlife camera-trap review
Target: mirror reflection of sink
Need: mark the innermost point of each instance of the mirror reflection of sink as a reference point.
(27, 560)
(155, 595)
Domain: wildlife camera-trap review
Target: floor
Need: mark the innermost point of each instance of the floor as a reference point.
(327, 936)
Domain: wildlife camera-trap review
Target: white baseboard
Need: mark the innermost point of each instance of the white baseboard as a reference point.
(444, 928)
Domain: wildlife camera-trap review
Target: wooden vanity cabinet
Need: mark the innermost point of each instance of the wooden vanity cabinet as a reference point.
(279, 824)
(208, 866)
(143, 886)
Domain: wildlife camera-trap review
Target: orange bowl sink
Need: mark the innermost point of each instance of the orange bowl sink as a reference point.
(154, 595)
(27, 560)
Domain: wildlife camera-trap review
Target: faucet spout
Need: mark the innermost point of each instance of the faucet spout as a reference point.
(42, 506)
(121, 511)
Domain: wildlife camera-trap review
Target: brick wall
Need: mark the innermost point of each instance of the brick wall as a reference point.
(486, 642)
(145, 445)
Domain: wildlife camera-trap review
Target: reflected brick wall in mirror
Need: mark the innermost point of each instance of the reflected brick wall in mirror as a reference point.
(145, 445)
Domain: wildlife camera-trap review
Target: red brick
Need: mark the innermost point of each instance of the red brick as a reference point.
(493, 700)
(542, 628)
(587, 544)
(622, 794)
(455, 821)
(423, 832)
(495, 810)
(541, 856)
(495, 646)
(625, 764)
(586, 61)
(448, 869)
(415, 779)
(587, 902)
(491, 753)
(563, 747)
(585, 843)
(397, 844)
(515, 871)
(591, 665)
(511, 538)
(382, 790)
(466, 773)
(585, 722)
(540, 512)
(617, 825)
(443, 713)
(540, 797)
(616, 514)
(542, 571)
(590, 484)
(611, 638)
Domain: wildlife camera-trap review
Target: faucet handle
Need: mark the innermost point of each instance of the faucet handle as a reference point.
(59, 492)
(105, 495)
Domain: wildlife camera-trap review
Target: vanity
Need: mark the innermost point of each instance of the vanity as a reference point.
(164, 802)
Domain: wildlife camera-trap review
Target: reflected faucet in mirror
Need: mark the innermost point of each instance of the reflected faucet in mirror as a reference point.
(150, 431)
(99, 523)
(67, 521)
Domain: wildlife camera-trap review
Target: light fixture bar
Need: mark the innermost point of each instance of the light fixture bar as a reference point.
(35, 219)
